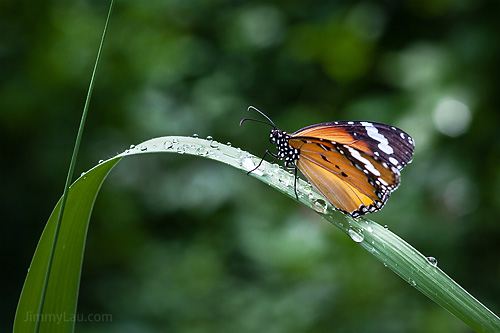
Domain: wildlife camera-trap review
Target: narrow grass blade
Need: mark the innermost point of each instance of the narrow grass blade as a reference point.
(35, 318)
(62, 291)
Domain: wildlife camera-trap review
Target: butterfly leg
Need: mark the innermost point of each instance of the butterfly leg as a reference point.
(295, 183)
(262, 159)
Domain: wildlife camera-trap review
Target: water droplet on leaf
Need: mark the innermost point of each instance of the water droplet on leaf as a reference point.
(167, 145)
(356, 236)
(201, 151)
(248, 165)
(433, 261)
(320, 206)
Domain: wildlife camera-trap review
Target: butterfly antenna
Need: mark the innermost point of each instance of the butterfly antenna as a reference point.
(262, 113)
(270, 123)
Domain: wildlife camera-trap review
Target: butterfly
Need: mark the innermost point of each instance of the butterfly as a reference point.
(355, 165)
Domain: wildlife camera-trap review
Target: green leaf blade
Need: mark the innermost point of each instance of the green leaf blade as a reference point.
(387, 247)
(424, 275)
(64, 282)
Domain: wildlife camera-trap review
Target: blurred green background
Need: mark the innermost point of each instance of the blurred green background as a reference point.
(184, 244)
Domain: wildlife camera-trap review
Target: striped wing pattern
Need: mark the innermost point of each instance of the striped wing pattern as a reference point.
(355, 165)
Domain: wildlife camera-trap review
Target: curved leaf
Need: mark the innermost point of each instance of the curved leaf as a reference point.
(62, 293)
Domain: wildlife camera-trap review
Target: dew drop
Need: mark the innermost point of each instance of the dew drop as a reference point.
(100, 161)
(143, 148)
(228, 144)
(201, 151)
(320, 206)
(82, 174)
(180, 150)
(412, 282)
(356, 236)
(214, 144)
(132, 146)
(286, 181)
(175, 141)
(385, 264)
(386, 227)
(433, 261)
(369, 229)
(210, 138)
(307, 189)
(167, 145)
(248, 164)
(195, 136)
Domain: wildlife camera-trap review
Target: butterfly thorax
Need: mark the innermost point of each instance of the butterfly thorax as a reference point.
(286, 152)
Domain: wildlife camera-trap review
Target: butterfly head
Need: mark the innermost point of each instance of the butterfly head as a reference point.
(279, 138)
(274, 136)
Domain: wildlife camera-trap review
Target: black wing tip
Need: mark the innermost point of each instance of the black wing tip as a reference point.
(363, 210)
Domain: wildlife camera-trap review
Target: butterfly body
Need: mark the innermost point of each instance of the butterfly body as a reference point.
(355, 165)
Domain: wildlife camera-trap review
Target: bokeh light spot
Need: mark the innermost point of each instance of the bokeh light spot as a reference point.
(452, 117)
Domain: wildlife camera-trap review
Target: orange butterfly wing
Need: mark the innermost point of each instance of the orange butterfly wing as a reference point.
(387, 143)
(343, 184)
(355, 165)
(339, 135)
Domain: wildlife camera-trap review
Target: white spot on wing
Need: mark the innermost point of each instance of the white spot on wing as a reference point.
(373, 133)
(393, 160)
(383, 182)
(367, 164)
(385, 148)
